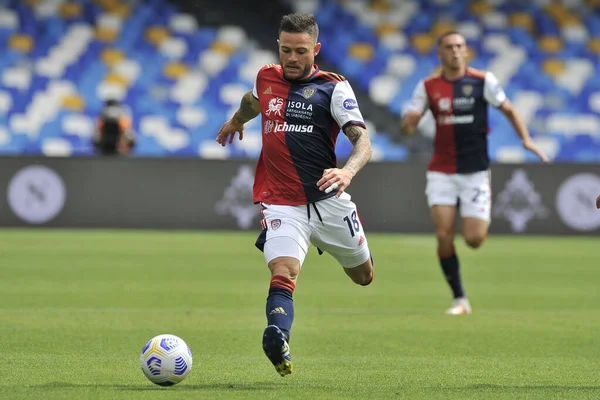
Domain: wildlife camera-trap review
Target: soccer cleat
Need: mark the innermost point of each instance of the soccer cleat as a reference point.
(277, 350)
(460, 306)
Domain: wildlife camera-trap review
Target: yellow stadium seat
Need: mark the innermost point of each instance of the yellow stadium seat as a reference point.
(116, 79)
(550, 44)
(106, 35)
(442, 27)
(555, 9)
(106, 4)
(156, 34)
(568, 19)
(385, 28)
(480, 7)
(423, 42)
(222, 47)
(522, 20)
(73, 102)
(380, 6)
(594, 45)
(20, 42)
(70, 10)
(111, 57)
(120, 10)
(553, 67)
(175, 70)
(361, 51)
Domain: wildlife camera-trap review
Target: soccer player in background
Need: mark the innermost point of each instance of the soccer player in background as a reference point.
(458, 175)
(301, 191)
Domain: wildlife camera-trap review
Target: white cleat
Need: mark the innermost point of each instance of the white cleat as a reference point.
(460, 306)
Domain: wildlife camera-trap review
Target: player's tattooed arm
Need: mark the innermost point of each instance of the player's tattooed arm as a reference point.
(361, 151)
(249, 109)
(340, 178)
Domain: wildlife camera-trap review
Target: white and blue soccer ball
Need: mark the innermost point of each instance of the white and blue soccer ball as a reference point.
(166, 360)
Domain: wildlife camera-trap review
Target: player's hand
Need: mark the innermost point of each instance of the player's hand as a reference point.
(228, 130)
(409, 123)
(598, 201)
(414, 114)
(335, 178)
(531, 146)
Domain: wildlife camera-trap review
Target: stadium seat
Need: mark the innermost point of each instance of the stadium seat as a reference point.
(62, 59)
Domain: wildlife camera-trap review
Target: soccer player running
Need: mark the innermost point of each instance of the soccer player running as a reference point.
(301, 191)
(458, 173)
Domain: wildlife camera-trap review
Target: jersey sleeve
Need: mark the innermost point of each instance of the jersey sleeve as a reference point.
(254, 91)
(258, 76)
(418, 100)
(344, 107)
(493, 91)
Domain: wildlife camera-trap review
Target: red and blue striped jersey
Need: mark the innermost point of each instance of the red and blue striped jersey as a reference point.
(301, 121)
(460, 109)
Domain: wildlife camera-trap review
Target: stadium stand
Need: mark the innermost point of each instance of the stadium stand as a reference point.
(182, 78)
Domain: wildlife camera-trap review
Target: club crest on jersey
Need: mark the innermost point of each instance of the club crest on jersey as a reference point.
(275, 224)
(444, 104)
(308, 92)
(350, 104)
(467, 90)
(269, 125)
(275, 107)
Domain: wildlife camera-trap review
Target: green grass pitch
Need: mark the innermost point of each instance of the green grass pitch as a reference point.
(78, 306)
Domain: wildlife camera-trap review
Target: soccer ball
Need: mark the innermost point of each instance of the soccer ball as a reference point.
(166, 360)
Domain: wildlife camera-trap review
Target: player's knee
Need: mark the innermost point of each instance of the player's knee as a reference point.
(364, 279)
(475, 241)
(285, 267)
(444, 237)
(362, 275)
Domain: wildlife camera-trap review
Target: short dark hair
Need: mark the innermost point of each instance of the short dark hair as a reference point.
(300, 23)
(446, 34)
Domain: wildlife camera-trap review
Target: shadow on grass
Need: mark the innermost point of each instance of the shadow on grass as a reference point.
(238, 387)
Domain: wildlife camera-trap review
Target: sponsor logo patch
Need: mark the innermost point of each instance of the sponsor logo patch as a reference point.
(350, 104)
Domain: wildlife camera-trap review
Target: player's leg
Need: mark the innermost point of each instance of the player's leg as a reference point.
(284, 271)
(363, 274)
(475, 207)
(286, 242)
(339, 232)
(444, 222)
(474, 231)
(442, 195)
(280, 306)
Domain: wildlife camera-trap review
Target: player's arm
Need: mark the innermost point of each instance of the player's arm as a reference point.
(340, 178)
(409, 123)
(346, 113)
(517, 122)
(361, 149)
(415, 110)
(494, 95)
(249, 109)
